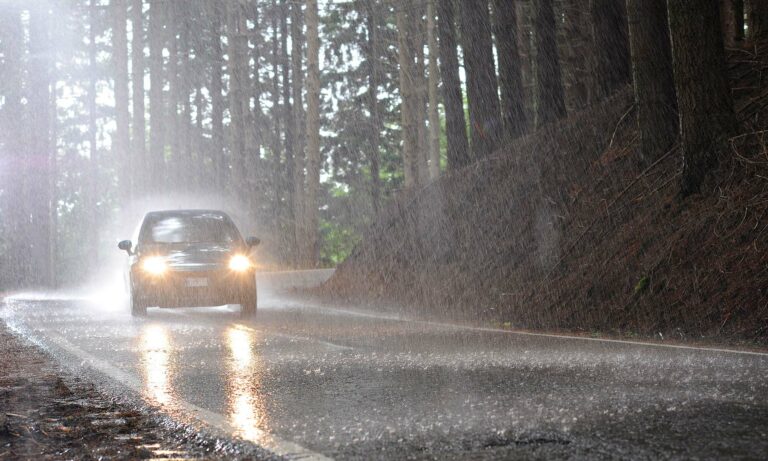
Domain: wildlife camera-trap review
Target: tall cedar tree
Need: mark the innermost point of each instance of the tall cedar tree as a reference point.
(156, 104)
(703, 93)
(15, 212)
(218, 156)
(549, 99)
(299, 160)
(653, 79)
(482, 88)
(139, 171)
(510, 75)
(122, 101)
(732, 18)
(455, 123)
(611, 45)
(239, 83)
(314, 160)
(373, 51)
(434, 116)
(91, 187)
(407, 105)
(40, 190)
(758, 19)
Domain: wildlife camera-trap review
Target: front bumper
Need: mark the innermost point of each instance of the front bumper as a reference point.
(193, 288)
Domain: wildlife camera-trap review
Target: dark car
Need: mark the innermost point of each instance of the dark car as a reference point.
(190, 258)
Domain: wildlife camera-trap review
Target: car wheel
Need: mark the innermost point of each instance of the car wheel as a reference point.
(137, 308)
(248, 307)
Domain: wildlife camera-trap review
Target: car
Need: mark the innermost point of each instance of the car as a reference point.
(190, 258)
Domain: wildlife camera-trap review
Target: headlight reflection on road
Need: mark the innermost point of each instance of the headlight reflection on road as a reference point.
(155, 344)
(246, 405)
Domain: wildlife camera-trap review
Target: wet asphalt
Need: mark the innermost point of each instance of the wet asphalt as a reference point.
(310, 381)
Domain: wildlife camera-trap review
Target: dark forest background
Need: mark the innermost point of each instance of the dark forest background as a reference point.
(313, 117)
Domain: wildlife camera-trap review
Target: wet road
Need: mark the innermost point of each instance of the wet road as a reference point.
(309, 382)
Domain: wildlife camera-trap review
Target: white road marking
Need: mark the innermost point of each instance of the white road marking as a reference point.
(396, 318)
(270, 442)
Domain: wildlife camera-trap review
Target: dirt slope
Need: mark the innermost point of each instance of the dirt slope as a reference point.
(567, 229)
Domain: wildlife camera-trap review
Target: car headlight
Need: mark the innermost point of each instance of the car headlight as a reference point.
(154, 265)
(239, 263)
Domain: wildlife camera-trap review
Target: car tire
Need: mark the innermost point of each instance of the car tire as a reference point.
(137, 308)
(248, 307)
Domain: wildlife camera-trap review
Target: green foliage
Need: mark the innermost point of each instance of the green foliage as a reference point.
(337, 242)
(642, 285)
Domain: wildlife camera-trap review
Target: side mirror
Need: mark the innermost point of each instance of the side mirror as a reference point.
(125, 245)
(252, 241)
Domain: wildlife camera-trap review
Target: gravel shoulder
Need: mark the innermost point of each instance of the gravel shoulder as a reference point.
(47, 413)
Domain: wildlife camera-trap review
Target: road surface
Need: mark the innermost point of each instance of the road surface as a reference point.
(313, 382)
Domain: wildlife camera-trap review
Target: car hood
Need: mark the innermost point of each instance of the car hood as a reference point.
(192, 256)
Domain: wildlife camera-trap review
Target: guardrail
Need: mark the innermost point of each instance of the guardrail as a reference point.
(289, 280)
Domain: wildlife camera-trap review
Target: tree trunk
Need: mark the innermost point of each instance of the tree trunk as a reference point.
(39, 190)
(733, 28)
(482, 88)
(174, 97)
(703, 94)
(15, 206)
(653, 79)
(609, 18)
(290, 134)
(157, 110)
(122, 114)
(218, 155)
(455, 122)
(548, 96)
(758, 19)
(91, 186)
(237, 96)
(510, 77)
(374, 80)
(298, 121)
(255, 115)
(410, 132)
(314, 160)
(189, 161)
(139, 160)
(416, 41)
(434, 78)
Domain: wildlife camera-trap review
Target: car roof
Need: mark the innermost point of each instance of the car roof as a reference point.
(172, 213)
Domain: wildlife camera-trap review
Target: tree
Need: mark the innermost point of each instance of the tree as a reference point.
(374, 80)
(434, 117)
(40, 186)
(314, 159)
(408, 102)
(549, 100)
(652, 75)
(139, 162)
(239, 84)
(510, 75)
(758, 19)
(482, 88)
(122, 101)
(453, 100)
(703, 95)
(14, 205)
(298, 121)
(732, 18)
(157, 110)
(218, 155)
(609, 19)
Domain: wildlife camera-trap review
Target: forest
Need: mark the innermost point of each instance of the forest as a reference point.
(323, 123)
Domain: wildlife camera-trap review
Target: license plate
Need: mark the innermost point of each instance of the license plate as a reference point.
(197, 282)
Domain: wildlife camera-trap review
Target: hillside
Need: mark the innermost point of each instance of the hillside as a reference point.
(567, 229)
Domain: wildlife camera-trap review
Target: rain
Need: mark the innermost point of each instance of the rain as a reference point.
(399, 229)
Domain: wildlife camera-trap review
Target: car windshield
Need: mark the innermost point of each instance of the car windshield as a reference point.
(191, 228)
